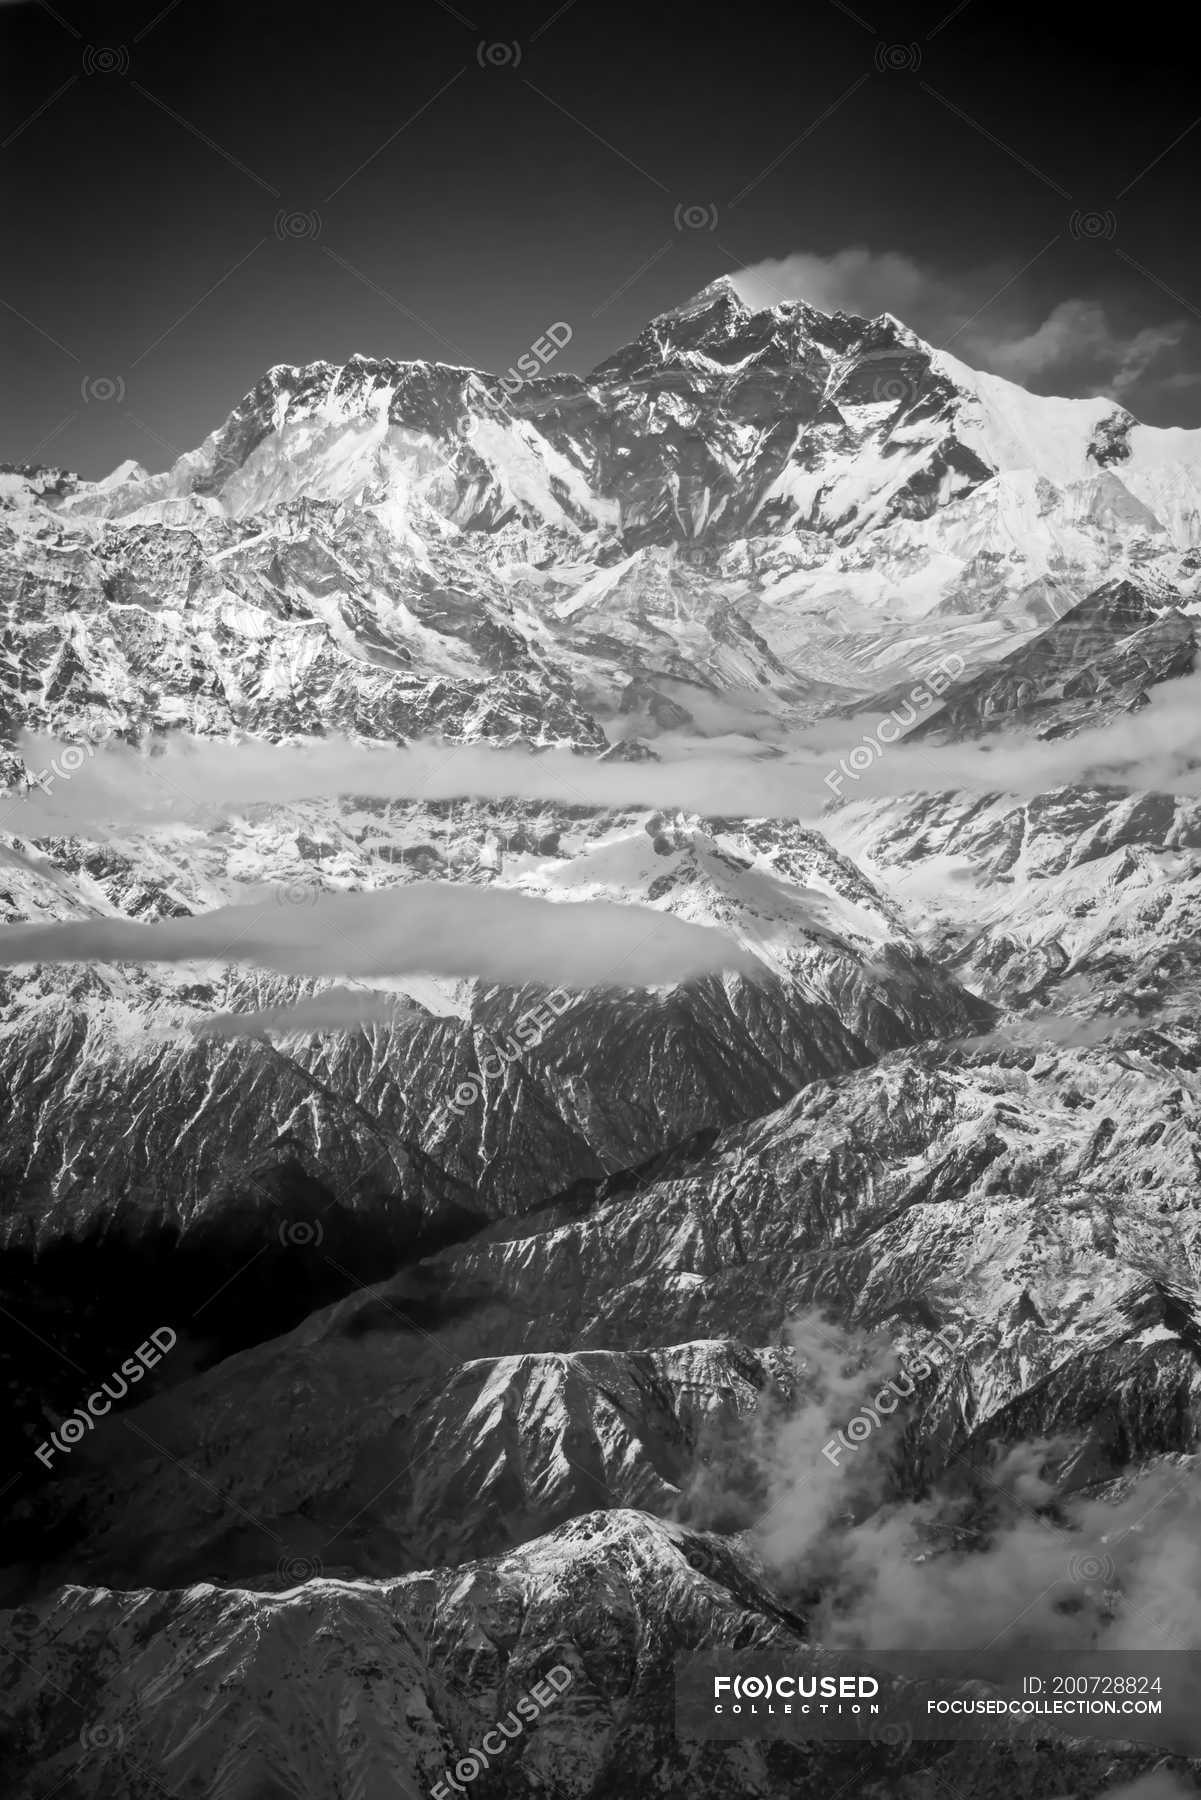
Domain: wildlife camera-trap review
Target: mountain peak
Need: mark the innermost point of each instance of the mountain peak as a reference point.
(129, 470)
(720, 293)
(897, 328)
(720, 308)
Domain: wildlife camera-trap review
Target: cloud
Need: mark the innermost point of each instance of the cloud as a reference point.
(1046, 1570)
(333, 1009)
(1079, 331)
(1002, 1562)
(1156, 1784)
(423, 928)
(198, 783)
(1042, 1026)
(985, 318)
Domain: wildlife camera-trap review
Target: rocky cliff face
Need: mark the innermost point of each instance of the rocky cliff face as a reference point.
(495, 1358)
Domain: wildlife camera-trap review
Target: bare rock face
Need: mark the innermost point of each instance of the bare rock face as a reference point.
(488, 1353)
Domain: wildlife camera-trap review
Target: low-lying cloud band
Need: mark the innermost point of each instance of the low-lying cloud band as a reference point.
(436, 928)
(199, 781)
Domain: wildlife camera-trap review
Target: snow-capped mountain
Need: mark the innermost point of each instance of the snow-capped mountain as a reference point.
(486, 1353)
(740, 501)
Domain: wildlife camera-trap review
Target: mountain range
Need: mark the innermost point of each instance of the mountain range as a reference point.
(499, 1350)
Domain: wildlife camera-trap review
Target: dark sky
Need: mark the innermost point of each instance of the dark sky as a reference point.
(234, 185)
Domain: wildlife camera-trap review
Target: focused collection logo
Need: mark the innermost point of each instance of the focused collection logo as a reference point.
(751, 1690)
